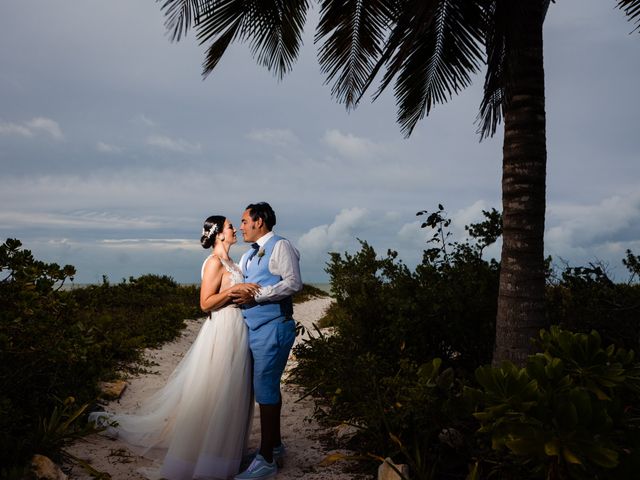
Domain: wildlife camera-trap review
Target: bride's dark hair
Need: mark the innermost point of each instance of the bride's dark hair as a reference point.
(212, 226)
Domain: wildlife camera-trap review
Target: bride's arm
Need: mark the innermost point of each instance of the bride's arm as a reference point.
(211, 297)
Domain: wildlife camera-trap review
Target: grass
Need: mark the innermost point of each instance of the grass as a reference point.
(309, 292)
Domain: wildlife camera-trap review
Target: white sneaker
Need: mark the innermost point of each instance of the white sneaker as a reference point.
(258, 470)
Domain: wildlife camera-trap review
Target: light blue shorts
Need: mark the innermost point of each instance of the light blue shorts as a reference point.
(270, 346)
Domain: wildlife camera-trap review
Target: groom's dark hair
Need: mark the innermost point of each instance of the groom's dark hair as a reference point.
(264, 211)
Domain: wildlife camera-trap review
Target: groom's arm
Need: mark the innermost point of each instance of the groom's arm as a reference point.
(285, 262)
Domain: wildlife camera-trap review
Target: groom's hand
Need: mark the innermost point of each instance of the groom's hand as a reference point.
(243, 294)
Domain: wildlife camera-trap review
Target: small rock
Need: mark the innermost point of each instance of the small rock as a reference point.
(345, 432)
(113, 390)
(44, 469)
(451, 437)
(387, 472)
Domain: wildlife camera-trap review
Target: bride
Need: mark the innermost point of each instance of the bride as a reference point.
(200, 420)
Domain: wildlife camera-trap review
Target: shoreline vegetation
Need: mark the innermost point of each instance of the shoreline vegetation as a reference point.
(57, 344)
(306, 453)
(323, 286)
(406, 366)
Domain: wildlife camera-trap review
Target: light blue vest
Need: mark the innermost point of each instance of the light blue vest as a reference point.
(258, 272)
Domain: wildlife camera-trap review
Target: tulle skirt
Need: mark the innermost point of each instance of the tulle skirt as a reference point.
(199, 421)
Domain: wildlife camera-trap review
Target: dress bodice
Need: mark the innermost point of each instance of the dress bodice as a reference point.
(234, 273)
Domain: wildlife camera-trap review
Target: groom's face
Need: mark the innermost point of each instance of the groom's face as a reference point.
(249, 228)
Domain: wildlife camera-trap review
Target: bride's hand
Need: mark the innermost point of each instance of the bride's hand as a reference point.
(250, 288)
(244, 293)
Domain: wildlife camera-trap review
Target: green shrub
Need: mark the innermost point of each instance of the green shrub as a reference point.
(309, 292)
(414, 413)
(57, 343)
(446, 308)
(40, 349)
(572, 412)
(585, 299)
(378, 370)
(390, 323)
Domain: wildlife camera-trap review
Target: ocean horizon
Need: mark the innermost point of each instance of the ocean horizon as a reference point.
(325, 287)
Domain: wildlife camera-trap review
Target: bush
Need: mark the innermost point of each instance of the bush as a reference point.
(308, 292)
(378, 370)
(57, 343)
(446, 308)
(404, 345)
(585, 299)
(572, 412)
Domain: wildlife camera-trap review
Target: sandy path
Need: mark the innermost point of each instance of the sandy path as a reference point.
(300, 432)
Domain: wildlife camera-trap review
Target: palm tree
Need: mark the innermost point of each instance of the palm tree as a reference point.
(430, 49)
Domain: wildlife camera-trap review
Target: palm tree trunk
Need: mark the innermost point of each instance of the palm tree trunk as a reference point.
(521, 292)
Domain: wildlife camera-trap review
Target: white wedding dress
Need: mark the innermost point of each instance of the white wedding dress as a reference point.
(200, 420)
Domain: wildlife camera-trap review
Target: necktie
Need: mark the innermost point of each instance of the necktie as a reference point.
(255, 247)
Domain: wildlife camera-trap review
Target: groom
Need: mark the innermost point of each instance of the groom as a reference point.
(273, 263)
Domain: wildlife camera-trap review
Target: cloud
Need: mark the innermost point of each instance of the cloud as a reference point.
(46, 125)
(351, 146)
(14, 129)
(382, 229)
(275, 137)
(127, 191)
(412, 236)
(77, 220)
(157, 244)
(175, 145)
(576, 228)
(32, 128)
(334, 236)
(143, 120)
(120, 259)
(108, 148)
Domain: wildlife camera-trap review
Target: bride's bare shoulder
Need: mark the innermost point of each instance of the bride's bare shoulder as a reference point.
(212, 264)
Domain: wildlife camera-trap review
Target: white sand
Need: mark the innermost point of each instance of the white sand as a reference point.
(300, 431)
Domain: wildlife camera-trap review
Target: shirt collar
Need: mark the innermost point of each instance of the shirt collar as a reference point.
(264, 239)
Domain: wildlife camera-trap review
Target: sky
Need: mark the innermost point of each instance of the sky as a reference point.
(114, 149)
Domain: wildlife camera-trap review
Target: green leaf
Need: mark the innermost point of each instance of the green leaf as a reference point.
(604, 457)
(570, 457)
(474, 472)
(599, 393)
(523, 446)
(555, 369)
(566, 414)
(552, 447)
(582, 402)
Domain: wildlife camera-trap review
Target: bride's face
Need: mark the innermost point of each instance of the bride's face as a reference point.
(229, 233)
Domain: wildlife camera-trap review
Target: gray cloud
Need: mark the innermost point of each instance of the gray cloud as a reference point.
(279, 137)
(108, 148)
(112, 161)
(175, 145)
(34, 127)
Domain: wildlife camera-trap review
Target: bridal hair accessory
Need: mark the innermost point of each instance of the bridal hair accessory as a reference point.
(211, 232)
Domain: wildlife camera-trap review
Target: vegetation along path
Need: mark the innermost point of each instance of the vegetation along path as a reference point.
(306, 456)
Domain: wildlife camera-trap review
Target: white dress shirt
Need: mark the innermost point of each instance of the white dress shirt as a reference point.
(284, 262)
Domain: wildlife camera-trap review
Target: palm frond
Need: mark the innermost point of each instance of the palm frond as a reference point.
(497, 33)
(504, 52)
(220, 26)
(432, 51)
(220, 17)
(273, 28)
(355, 31)
(218, 47)
(632, 10)
(180, 14)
